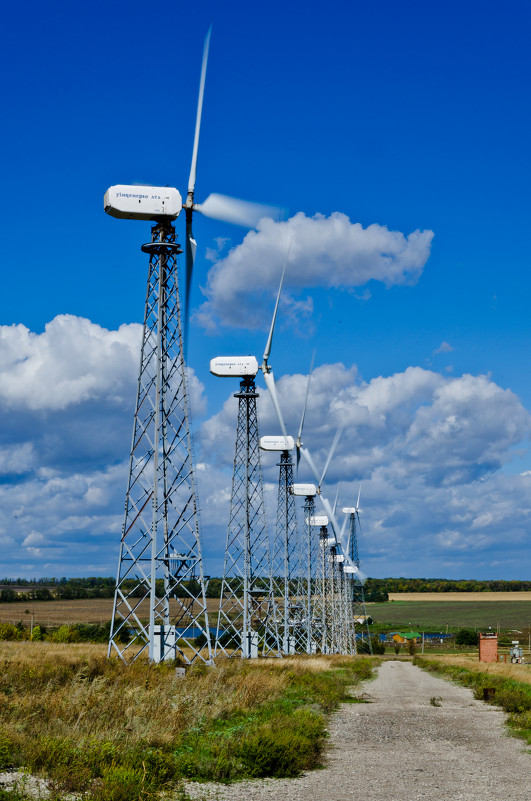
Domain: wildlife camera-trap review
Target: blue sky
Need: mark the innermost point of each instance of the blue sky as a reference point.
(404, 117)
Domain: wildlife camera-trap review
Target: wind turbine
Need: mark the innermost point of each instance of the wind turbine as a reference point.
(286, 544)
(357, 599)
(332, 604)
(326, 618)
(244, 621)
(160, 571)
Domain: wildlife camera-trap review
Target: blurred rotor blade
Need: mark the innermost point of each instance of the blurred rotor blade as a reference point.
(193, 168)
(307, 455)
(299, 435)
(331, 453)
(191, 246)
(335, 499)
(233, 210)
(270, 383)
(331, 516)
(343, 527)
(360, 575)
(358, 502)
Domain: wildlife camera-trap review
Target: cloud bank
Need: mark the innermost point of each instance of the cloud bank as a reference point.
(429, 449)
(67, 398)
(330, 252)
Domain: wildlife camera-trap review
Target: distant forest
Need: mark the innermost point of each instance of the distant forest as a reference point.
(50, 589)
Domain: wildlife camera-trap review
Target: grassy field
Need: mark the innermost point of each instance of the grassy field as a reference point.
(521, 673)
(110, 732)
(512, 611)
(493, 597)
(424, 615)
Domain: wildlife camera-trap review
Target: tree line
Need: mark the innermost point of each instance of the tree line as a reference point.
(375, 590)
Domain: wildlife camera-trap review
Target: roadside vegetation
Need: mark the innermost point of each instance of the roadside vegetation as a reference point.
(112, 732)
(505, 685)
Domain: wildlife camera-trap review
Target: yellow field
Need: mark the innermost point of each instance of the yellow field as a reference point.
(460, 596)
(55, 613)
(471, 662)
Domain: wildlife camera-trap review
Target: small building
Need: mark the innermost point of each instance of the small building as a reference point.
(488, 647)
(406, 636)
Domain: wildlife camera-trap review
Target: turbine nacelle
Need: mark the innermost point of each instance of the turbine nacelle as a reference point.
(349, 510)
(319, 520)
(303, 490)
(239, 366)
(143, 202)
(277, 443)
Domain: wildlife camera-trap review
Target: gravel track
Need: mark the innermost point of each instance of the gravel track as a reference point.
(402, 748)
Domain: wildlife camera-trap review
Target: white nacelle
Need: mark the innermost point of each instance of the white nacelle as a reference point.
(349, 510)
(319, 520)
(143, 202)
(350, 569)
(339, 557)
(277, 443)
(239, 366)
(331, 541)
(303, 490)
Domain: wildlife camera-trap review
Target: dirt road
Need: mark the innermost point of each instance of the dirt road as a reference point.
(402, 748)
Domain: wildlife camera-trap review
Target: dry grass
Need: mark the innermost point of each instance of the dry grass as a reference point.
(24, 652)
(311, 664)
(460, 596)
(470, 662)
(68, 713)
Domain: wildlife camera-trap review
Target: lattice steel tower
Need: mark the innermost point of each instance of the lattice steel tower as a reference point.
(359, 612)
(247, 615)
(286, 562)
(159, 604)
(309, 555)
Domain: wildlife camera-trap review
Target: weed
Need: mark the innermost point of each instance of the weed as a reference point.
(435, 700)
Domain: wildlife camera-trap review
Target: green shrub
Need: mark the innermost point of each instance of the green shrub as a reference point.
(466, 637)
(64, 634)
(37, 634)
(10, 632)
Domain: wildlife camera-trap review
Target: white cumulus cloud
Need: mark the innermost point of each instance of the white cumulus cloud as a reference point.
(330, 252)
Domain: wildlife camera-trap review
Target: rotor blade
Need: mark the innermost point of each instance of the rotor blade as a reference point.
(233, 210)
(270, 337)
(359, 493)
(359, 523)
(270, 383)
(343, 527)
(307, 455)
(299, 435)
(360, 575)
(335, 500)
(193, 168)
(191, 246)
(331, 453)
(331, 516)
